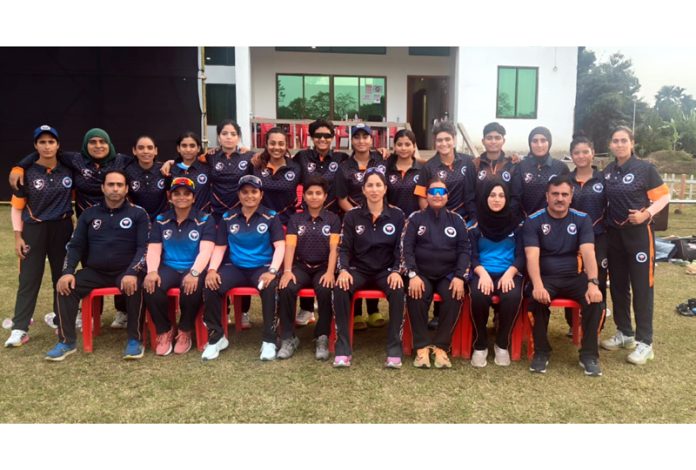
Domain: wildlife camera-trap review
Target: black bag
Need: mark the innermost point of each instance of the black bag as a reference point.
(686, 248)
(660, 220)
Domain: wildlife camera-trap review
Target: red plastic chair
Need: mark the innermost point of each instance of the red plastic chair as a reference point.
(263, 130)
(340, 132)
(235, 294)
(360, 294)
(461, 337)
(173, 297)
(92, 305)
(524, 331)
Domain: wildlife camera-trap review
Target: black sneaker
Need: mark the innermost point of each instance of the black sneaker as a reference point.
(591, 366)
(539, 363)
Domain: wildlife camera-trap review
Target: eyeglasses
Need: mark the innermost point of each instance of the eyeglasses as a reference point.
(322, 135)
(437, 191)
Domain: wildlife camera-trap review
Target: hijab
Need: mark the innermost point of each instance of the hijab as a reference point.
(96, 132)
(543, 131)
(495, 226)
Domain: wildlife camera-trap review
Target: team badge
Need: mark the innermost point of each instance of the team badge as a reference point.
(326, 230)
(333, 166)
(265, 172)
(202, 179)
(421, 230)
(442, 174)
(234, 228)
(551, 177)
(262, 228)
(463, 170)
(572, 229)
(135, 186)
(506, 176)
(311, 166)
(604, 263)
(415, 179)
(167, 234)
(87, 173)
(389, 229)
(598, 187)
(160, 184)
(393, 179)
(67, 182)
(545, 229)
(39, 184)
(628, 179)
(301, 230)
(219, 166)
(451, 232)
(290, 176)
(359, 229)
(243, 165)
(607, 176)
(528, 177)
(126, 223)
(382, 169)
(96, 224)
(641, 257)
(482, 174)
(359, 176)
(194, 235)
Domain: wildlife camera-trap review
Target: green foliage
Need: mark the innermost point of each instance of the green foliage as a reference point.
(673, 161)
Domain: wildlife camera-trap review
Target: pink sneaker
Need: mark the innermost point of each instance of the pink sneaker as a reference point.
(183, 342)
(164, 343)
(393, 363)
(342, 361)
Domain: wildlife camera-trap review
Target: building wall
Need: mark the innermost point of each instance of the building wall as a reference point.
(475, 92)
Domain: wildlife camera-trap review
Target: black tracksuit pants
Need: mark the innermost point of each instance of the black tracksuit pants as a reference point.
(307, 278)
(418, 314)
(158, 302)
(509, 309)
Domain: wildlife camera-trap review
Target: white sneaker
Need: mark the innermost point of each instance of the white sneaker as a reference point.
(16, 339)
(48, 319)
(502, 356)
(120, 320)
(246, 323)
(618, 341)
(212, 351)
(304, 317)
(642, 354)
(607, 312)
(268, 351)
(478, 359)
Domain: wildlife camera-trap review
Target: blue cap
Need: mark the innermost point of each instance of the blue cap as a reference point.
(361, 127)
(45, 129)
(251, 180)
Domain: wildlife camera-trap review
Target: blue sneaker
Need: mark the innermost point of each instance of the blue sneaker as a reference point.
(134, 349)
(60, 351)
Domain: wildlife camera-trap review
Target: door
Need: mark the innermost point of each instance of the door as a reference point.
(428, 100)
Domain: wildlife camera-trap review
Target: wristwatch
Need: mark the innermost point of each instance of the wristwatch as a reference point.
(273, 271)
(195, 273)
(594, 281)
(412, 274)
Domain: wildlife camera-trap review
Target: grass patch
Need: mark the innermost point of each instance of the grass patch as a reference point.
(238, 388)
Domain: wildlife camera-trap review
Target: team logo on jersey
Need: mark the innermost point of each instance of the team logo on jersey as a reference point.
(160, 184)
(194, 235)
(359, 229)
(628, 179)
(415, 179)
(243, 165)
(463, 170)
(290, 176)
(528, 177)
(326, 230)
(265, 172)
(442, 174)
(202, 179)
(234, 228)
(545, 229)
(389, 229)
(167, 234)
(506, 176)
(572, 229)
(96, 224)
(219, 166)
(333, 166)
(393, 179)
(311, 166)
(126, 223)
(382, 169)
(641, 257)
(451, 232)
(607, 176)
(301, 230)
(598, 188)
(262, 228)
(551, 177)
(482, 174)
(67, 182)
(135, 185)
(359, 176)
(604, 263)
(39, 184)
(87, 173)
(421, 230)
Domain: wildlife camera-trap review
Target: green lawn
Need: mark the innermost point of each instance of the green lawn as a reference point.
(238, 388)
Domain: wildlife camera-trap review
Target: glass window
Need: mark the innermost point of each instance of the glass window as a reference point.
(346, 97)
(336, 50)
(317, 97)
(221, 101)
(372, 106)
(430, 51)
(219, 55)
(290, 96)
(517, 92)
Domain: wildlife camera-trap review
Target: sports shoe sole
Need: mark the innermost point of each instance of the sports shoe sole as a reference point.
(442, 366)
(60, 358)
(130, 357)
(224, 346)
(643, 362)
(24, 340)
(169, 351)
(588, 373)
(631, 346)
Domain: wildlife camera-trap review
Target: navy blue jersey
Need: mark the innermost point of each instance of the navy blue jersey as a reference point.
(110, 241)
(147, 188)
(327, 167)
(530, 179)
(250, 242)
(371, 246)
(350, 178)
(199, 173)
(559, 240)
(181, 242)
(631, 186)
(312, 237)
(502, 168)
(401, 187)
(460, 179)
(225, 171)
(46, 194)
(280, 188)
(589, 197)
(436, 245)
(497, 257)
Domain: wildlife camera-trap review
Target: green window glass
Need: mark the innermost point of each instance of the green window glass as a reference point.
(517, 92)
(317, 97)
(346, 97)
(290, 96)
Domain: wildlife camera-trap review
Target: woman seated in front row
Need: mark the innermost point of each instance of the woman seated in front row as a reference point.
(369, 259)
(435, 251)
(256, 244)
(498, 263)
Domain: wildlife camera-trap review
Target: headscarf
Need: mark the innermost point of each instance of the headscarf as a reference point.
(543, 131)
(495, 226)
(96, 132)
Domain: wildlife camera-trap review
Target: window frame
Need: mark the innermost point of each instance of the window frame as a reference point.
(536, 92)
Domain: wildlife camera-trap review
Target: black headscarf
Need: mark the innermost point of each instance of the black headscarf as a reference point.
(543, 131)
(495, 226)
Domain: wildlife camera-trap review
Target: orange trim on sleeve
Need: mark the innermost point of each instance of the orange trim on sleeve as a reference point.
(17, 170)
(18, 202)
(419, 191)
(291, 240)
(334, 239)
(202, 159)
(656, 193)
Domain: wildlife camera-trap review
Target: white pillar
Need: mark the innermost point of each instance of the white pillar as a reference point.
(242, 60)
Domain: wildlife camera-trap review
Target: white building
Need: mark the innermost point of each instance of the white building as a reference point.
(519, 87)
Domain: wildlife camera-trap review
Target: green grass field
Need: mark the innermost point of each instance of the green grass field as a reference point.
(238, 388)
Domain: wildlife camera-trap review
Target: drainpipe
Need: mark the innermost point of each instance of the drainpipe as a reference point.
(203, 102)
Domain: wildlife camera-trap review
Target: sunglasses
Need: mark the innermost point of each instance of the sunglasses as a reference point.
(437, 191)
(322, 135)
(182, 181)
